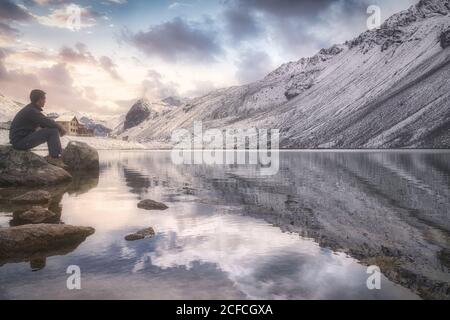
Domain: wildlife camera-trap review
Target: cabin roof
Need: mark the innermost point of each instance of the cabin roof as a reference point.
(66, 118)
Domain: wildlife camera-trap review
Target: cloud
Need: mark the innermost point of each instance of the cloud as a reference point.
(55, 80)
(8, 34)
(178, 5)
(110, 67)
(285, 8)
(179, 40)
(62, 93)
(90, 93)
(59, 2)
(125, 104)
(154, 87)
(31, 55)
(291, 28)
(291, 24)
(201, 87)
(300, 28)
(253, 66)
(61, 17)
(45, 2)
(241, 24)
(81, 55)
(115, 1)
(11, 11)
(10, 79)
(56, 75)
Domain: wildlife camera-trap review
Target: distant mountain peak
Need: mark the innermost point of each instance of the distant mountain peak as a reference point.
(138, 113)
(142, 101)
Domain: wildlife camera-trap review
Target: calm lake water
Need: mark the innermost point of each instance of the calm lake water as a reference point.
(308, 232)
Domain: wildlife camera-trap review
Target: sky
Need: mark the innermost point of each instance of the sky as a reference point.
(98, 57)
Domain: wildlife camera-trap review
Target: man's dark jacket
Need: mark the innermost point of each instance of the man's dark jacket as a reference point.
(27, 121)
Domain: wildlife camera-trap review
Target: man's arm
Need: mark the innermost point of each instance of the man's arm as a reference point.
(45, 122)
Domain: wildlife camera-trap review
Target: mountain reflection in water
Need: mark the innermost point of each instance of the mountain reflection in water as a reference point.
(308, 232)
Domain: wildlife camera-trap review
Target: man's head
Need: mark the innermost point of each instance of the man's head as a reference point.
(38, 98)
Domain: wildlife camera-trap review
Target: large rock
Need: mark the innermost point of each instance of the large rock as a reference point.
(35, 243)
(25, 168)
(33, 197)
(445, 39)
(79, 156)
(31, 238)
(138, 113)
(141, 234)
(35, 215)
(151, 205)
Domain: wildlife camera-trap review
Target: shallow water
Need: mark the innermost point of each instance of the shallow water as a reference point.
(308, 232)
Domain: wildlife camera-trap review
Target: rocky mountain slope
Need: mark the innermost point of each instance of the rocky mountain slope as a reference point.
(8, 108)
(144, 110)
(387, 88)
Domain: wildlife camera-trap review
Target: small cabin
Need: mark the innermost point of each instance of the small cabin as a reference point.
(74, 127)
(70, 123)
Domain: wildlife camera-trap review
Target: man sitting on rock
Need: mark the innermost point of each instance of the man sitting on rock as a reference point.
(24, 133)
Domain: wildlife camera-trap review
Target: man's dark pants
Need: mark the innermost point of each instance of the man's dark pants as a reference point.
(49, 135)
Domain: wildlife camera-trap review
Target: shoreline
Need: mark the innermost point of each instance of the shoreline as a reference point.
(105, 144)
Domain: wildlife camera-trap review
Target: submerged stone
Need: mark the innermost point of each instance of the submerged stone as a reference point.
(151, 205)
(142, 234)
(35, 215)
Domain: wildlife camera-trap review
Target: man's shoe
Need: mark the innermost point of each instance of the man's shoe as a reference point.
(56, 162)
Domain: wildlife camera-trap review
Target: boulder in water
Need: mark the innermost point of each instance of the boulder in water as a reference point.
(142, 234)
(79, 156)
(19, 242)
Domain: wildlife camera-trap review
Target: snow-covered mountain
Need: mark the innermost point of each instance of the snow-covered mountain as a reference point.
(8, 108)
(387, 88)
(144, 110)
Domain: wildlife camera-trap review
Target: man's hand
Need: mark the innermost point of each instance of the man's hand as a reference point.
(62, 131)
